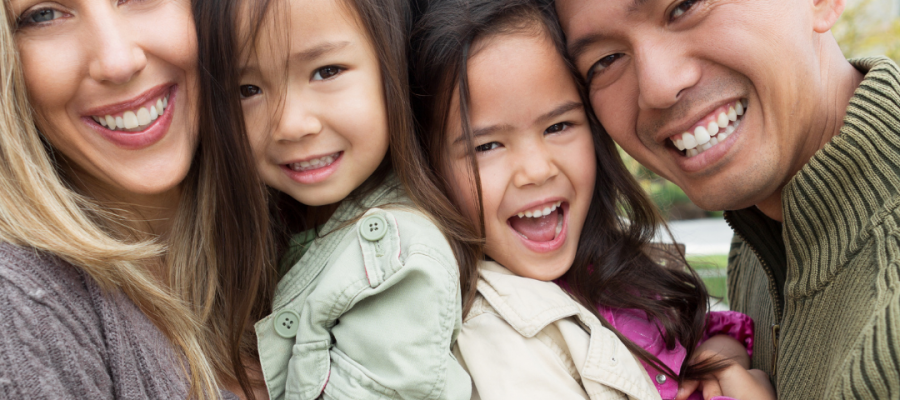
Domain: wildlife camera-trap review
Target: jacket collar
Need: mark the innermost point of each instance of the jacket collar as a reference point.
(529, 305)
(331, 235)
(845, 189)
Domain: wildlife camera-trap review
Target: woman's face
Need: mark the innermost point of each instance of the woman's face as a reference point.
(112, 85)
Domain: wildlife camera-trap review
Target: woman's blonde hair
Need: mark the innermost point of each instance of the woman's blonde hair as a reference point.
(218, 280)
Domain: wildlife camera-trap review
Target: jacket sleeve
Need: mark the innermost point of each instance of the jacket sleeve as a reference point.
(506, 365)
(397, 340)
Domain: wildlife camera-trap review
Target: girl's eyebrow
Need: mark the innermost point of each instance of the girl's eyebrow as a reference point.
(319, 50)
(556, 112)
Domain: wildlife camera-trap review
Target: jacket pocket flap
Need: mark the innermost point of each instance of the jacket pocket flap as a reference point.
(350, 381)
(308, 370)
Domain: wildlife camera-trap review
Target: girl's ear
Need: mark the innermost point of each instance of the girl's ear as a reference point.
(826, 13)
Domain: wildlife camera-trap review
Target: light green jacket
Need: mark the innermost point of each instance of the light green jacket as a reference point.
(371, 310)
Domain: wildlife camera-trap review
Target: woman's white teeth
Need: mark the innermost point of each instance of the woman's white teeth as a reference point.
(139, 118)
(705, 137)
(540, 212)
(315, 163)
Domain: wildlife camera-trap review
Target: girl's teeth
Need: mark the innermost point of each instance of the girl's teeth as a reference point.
(313, 164)
(130, 119)
(540, 212)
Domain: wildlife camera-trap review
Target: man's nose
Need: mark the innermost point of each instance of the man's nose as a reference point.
(664, 72)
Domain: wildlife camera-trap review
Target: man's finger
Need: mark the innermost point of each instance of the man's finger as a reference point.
(686, 388)
(711, 388)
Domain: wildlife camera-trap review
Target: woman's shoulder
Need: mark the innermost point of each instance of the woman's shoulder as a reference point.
(38, 276)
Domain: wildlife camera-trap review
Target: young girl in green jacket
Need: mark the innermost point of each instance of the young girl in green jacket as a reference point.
(368, 305)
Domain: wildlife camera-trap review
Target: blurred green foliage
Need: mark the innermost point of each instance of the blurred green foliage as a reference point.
(862, 30)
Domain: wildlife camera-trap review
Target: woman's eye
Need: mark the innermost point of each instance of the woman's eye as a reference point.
(39, 16)
(682, 8)
(602, 64)
(487, 147)
(326, 72)
(556, 128)
(249, 91)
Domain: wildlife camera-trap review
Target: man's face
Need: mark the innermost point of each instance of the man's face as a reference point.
(669, 78)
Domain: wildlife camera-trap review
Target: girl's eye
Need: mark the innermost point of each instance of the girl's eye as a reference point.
(487, 147)
(556, 128)
(39, 16)
(249, 91)
(682, 8)
(601, 65)
(326, 72)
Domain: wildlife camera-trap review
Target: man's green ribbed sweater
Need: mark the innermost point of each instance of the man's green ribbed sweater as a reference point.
(824, 286)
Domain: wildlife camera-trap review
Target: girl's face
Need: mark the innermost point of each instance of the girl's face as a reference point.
(330, 132)
(111, 85)
(534, 151)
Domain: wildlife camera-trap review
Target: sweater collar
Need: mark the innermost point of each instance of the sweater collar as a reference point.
(847, 187)
(832, 205)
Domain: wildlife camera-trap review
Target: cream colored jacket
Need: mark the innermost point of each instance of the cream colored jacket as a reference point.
(528, 339)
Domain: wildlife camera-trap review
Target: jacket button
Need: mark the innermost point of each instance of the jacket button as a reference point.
(286, 324)
(660, 379)
(373, 228)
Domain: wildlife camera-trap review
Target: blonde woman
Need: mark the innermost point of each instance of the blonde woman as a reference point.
(133, 253)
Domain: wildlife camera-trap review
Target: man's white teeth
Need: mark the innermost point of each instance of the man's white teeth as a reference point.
(705, 137)
(139, 118)
(315, 163)
(540, 212)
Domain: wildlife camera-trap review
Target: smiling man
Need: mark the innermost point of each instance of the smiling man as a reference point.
(750, 106)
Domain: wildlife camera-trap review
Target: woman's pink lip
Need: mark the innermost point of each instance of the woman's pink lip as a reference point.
(555, 244)
(139, 140)
(313, 176)
(140, 100)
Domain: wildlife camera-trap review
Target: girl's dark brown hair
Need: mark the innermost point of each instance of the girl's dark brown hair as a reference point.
(243, 234)
(615, 265)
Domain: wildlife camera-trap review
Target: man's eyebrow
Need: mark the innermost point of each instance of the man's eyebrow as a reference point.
(556, 112)
(319, 50)
(577, 48)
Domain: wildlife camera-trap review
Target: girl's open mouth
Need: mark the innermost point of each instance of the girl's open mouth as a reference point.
(541, 229)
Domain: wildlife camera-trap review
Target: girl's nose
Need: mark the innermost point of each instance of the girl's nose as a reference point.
(296, 121)
(535, 166)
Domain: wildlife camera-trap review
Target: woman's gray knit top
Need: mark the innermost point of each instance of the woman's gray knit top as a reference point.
(61, 337)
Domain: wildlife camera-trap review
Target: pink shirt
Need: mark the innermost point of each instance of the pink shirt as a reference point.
(635, 325)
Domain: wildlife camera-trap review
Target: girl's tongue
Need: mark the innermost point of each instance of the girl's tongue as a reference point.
(541, 229)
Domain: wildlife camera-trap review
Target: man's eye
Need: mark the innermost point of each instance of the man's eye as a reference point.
(39, 16)
(556, 128)
(682, 8)
(249, 91)
(326, 72)
(602, 64)
(487, 147)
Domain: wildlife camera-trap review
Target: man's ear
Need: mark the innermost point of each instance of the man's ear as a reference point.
(826, 13)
